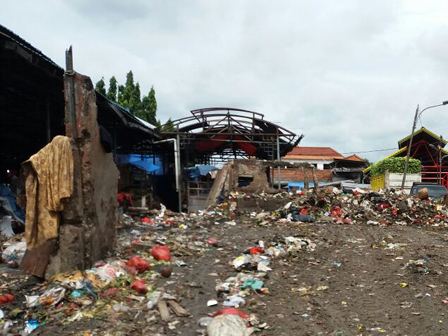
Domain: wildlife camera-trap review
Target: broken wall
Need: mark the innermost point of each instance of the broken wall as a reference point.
(227, 179)
(87, 231)
(255, 168)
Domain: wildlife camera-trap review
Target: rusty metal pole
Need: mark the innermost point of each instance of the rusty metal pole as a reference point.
(278, 159)
(178, 171)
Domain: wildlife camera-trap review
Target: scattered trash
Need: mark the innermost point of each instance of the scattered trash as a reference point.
(14, 253)
(127, 286)
(139, 286)
(212, 242)
(161, 252)
(227, 325)
(166, 271)
(211, 303)
(31, 325)
(7, 298)
(138, 263)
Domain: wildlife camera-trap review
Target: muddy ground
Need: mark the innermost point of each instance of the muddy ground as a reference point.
(360, 280)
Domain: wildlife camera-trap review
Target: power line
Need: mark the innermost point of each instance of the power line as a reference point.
(370, 151)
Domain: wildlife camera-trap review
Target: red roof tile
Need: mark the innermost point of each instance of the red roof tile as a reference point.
(313, 153)
(354, 157)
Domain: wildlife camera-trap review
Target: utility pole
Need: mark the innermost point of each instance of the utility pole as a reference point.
(417, 114)
(278, 162)
(409, 148)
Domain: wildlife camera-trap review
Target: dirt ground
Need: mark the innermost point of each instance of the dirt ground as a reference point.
(360, 280)
(370, 291)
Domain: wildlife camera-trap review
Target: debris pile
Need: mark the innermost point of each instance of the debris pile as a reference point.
(145, 280)
(357, 207)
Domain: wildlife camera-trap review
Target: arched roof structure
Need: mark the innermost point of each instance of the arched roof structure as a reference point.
(225, 133)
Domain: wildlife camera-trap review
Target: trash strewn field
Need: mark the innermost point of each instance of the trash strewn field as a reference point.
(322, 264)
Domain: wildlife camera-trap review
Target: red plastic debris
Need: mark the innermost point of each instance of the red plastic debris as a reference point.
(139, 286)
(7, 298)
(161, 252)
(212, 242)
(383, 206)
(231, 311)
(256, 250)
(146, 220)
(304, 211)
(140, 264)
(336, 212)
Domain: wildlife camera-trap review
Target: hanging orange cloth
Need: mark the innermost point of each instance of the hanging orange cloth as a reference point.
(48, 180)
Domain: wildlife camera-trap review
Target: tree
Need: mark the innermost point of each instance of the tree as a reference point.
(148, 107)
(152, 106)
(167, 127)
(100, 87)
(367, 162)
(135, 99)
(120, 98)
(113, 89)
(125, 93)
(129, 95)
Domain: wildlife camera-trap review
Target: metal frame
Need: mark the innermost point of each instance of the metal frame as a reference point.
(239, 126)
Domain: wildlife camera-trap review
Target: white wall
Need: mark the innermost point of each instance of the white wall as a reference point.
(319, 163)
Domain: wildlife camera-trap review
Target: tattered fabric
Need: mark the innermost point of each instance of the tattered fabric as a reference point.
(49, 179)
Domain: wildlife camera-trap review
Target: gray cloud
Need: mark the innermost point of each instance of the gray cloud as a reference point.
(346, 74)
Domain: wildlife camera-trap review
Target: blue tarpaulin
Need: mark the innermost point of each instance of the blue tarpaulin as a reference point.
(144, 162)
(8, 202)
(200, 170)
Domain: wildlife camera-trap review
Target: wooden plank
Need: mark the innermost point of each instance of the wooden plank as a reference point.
(163, 310)
(177, 309)
(220, 180)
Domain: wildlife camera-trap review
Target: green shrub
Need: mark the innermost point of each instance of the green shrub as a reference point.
(395, 165)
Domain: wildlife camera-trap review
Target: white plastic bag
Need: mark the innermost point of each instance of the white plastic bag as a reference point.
(14, 252)
(227, 325)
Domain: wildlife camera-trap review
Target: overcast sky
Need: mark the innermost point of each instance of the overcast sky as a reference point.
(347, 74)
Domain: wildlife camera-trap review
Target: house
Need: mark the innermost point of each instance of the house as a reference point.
(320, 157)
(331, 166)
(427, 147)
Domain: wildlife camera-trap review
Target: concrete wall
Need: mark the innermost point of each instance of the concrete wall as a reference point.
(87, 231)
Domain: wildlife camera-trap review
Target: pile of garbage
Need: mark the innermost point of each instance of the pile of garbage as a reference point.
(152, 246)
(108, 289)
(357, 207)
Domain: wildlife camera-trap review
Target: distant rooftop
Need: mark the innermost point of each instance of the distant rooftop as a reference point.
(313, 153)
